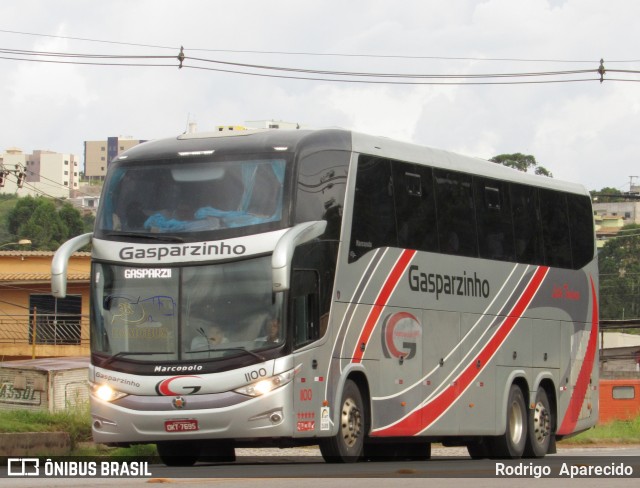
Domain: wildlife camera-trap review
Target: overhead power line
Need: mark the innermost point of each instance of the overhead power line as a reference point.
(182, 60)
(318, 54)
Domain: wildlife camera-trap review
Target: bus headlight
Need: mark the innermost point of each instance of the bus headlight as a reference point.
(106, 393)
(266, 385)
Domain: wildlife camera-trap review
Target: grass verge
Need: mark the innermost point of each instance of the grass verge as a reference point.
(77, 422)
(616, 432)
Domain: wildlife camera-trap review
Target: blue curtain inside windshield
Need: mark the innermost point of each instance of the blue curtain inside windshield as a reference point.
(229, 195)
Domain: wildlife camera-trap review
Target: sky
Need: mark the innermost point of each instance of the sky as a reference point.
(585, 131)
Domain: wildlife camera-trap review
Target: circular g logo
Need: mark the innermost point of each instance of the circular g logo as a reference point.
(401, 333)
(169, 386)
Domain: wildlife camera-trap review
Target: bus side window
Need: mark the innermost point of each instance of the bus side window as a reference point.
(493, 213)
(582, 229)
(526, 224)
(415, 207)
(555, 223)
(374, 219)
(457, 232)
(304, 317)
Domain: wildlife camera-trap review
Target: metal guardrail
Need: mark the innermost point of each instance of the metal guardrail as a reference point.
(44, 329)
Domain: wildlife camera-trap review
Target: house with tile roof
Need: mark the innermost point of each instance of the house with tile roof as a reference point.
(33, 323)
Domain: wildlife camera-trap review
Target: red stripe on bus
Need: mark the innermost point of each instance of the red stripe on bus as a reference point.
(580, 390)
(381, 301)
(422, 418)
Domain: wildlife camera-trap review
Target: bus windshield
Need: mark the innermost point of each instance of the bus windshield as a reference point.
(189, 313)
(186, 197)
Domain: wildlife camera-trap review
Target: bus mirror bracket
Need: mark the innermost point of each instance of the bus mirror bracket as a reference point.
(60, 263)
(286, 246)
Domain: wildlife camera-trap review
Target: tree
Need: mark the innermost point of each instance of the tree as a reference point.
(521, 162)
(44, 222)
(608, 195)
(20, 214)
(72, 218)
(619, 262)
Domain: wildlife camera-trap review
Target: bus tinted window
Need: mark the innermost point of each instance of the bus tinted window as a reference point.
(456, 218)
(555, 226)
(582, 230)
(322, 181)
(428, 209)
(526, 224)
(493, 214)
(415, 207)
(373, 223)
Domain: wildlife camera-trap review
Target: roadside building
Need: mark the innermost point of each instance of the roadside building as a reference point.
(33, 323)
(42, 173)
(98, 154)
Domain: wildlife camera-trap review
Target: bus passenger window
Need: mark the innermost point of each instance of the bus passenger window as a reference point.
(493, 214)
(415, 207)
(457, 232)
(526, 224)
(555, 222)
(374, 223)
(582, 229)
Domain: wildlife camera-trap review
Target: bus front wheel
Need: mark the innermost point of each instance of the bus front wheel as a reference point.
(347, 445)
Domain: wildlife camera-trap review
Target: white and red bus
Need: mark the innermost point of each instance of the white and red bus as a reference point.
(328, 287)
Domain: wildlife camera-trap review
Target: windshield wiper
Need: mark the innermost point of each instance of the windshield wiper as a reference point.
(120, 354)
(157, 237)
(243, 349)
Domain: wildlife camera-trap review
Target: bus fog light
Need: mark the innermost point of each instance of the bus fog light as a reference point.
(275, 417)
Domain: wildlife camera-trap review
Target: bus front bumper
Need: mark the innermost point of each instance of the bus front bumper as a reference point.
(137, 419)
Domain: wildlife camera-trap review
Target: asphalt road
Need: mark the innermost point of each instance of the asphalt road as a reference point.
(446, 468)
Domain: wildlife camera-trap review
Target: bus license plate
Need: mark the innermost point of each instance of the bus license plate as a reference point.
(180, 425)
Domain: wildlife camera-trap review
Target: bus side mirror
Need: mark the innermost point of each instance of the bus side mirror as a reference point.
(61, 260)
(286, 246)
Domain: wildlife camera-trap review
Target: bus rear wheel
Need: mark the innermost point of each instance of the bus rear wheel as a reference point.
(178, 453)
(512, 443)
(347, 445)
(540, 427)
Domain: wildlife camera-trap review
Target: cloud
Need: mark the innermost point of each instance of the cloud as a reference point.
(572, 129)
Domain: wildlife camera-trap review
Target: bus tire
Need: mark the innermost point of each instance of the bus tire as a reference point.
(511, 444)
(178, 453)
(348, 444)
(540, 427)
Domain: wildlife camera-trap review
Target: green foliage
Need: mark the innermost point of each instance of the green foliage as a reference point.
(45, 222)
(7, 203)
(75, 420)
(619, 263)
(608, 195)
(618, 432)
(521, 162)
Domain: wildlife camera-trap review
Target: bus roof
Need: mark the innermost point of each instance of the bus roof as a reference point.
(305, 141)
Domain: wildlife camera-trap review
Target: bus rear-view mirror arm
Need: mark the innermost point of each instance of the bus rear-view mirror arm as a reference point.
(286, 246)
(60, 263)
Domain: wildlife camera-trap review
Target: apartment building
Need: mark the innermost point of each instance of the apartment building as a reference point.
(42, 173)
(98, 154)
